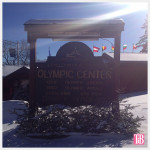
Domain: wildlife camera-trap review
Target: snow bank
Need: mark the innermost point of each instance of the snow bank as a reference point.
(8, 116)
(11, 139)
(9, 107)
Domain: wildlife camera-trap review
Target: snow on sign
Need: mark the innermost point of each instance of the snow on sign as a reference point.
(74, 77)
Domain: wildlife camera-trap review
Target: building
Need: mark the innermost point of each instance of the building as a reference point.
(133, 71)
(133, 76)
(15, 82)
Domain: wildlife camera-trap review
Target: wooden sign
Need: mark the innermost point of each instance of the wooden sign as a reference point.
(73, 80)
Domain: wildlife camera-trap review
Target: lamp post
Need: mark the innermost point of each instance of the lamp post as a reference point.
(13, 47)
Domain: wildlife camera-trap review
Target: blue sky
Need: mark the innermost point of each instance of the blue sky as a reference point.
(16, 14)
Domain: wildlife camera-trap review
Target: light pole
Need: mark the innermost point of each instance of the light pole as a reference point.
(13, 50)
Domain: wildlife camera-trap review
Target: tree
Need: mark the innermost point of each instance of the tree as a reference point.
(144, 39)
(16, 53)
(24, 54)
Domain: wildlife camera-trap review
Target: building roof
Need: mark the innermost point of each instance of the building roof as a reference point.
(129, 56)
(72, 21)
(74, 29)
(8, 69)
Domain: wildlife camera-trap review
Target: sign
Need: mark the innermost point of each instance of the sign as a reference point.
(74, 81)
(139, 139)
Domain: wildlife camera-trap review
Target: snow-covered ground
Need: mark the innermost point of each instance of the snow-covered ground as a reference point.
(11, 139)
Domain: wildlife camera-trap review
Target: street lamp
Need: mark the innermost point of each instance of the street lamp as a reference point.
(12, 50)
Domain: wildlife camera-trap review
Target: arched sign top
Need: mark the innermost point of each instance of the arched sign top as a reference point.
(74, 50)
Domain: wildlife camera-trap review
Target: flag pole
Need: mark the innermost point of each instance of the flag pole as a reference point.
(132, 48)
(102, 49)
(93, 50)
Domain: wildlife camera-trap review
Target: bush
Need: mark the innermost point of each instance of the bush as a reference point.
(59, 120)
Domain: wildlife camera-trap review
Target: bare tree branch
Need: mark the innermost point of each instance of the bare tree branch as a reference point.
(22, 53)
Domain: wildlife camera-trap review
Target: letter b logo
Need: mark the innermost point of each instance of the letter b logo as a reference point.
(139, 139)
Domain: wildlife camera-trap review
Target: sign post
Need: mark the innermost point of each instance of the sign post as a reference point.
(32, 76)
(115, 105)
(75, 30)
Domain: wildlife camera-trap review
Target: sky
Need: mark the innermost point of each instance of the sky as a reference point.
(16, 14)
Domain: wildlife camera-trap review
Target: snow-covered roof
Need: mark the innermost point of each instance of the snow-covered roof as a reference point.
(83, 29)
(130, 56)
(72, 21)
(8, 69)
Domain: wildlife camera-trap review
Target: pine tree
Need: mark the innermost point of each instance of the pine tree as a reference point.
(143, 42)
